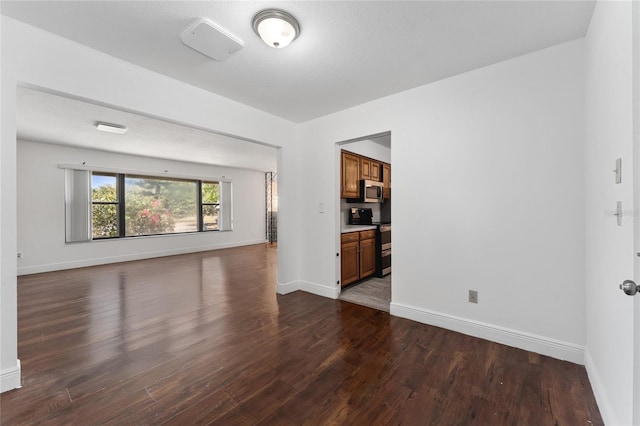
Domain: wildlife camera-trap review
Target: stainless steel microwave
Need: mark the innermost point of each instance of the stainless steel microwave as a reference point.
(371, 191)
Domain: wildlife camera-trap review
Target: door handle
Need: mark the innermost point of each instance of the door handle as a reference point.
(629, 287)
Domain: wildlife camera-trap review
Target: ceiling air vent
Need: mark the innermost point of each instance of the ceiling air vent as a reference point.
(211, 40)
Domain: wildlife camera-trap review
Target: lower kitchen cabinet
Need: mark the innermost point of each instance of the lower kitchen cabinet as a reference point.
(349, 261)
(367, 257)
(357, 256)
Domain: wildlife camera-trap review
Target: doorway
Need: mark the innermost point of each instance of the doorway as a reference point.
(367, 161)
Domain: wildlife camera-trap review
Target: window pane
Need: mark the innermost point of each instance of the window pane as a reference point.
(160, 206)
(104, 220)
(103, 187)
(210, 193)
(210, 217)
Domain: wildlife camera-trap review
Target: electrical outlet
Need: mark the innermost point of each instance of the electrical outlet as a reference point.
(473, 296)
(19, 255)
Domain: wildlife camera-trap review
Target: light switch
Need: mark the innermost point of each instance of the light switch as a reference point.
(618, 170)
(618, 212)
(320, 207)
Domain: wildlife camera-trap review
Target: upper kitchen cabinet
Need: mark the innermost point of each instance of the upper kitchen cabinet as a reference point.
(375, 171)
(386, 180)
(355, 167)
(350, 175)
(365, 168)
(369, 169)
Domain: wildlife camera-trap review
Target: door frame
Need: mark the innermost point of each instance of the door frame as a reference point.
(635, 74)
(337, 211)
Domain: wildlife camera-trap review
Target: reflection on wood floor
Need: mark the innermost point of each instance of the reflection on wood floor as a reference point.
(203, 338)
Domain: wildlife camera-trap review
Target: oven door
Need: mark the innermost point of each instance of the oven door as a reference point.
(383, 247)
(385, 237)
(385, 262)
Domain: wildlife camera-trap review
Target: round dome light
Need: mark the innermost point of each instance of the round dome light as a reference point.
(276, 27)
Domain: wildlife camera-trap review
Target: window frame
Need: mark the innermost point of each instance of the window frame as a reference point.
(202, 204)
(121, 203)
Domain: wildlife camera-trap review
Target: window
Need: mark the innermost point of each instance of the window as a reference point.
(160, 206)
(127, 205)
(105, 205)
(210, 205)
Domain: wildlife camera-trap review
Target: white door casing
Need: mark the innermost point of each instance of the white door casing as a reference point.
(636, 195)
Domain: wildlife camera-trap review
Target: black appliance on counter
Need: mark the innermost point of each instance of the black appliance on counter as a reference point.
(360, 216)
(364, 216)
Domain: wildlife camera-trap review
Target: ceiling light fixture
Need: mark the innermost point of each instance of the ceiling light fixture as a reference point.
(111, 128)
(276, 27)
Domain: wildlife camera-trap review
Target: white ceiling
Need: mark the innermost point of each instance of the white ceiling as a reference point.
(74, 124)
(349, 52)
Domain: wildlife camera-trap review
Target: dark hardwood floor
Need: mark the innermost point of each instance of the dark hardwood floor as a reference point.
(203, 338)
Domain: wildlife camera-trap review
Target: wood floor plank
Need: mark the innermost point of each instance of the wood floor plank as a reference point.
(204, 339)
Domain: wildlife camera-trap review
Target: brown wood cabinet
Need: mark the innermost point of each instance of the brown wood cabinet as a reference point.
(386, 180)
(355, 167)
(375, 171)
(365, 168)
(357, 256)
(367, 253)
(349, 259)
(350, 175)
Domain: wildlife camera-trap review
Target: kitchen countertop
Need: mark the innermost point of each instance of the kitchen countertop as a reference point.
(356, 228)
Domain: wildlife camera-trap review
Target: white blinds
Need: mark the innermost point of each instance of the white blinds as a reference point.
(77, 205)
(225, 219)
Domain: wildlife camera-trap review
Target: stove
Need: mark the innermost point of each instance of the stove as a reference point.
(383, 249)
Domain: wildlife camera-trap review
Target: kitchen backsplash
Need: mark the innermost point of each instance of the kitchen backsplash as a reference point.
(344, 210)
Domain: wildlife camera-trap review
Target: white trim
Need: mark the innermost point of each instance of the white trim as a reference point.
(599, 392)
(36, 269)
(635, 73)
(287, 288)
(506, 336)
(313, 288)
(10, 378)
(319, 289)
(153, 174)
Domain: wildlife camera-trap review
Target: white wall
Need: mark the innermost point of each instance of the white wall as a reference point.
(41, 237)
(488, 194)
(35, 57)
(609, 248)
(369, 149)
(9, 363)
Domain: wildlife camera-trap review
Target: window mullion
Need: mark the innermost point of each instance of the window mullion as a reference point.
(200, 208)
(121, 212)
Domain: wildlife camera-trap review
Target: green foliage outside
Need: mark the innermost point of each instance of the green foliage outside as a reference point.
(105, 216)
(152, 206)
(210, 193)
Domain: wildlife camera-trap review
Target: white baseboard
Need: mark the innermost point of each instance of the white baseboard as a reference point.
(313, 288)
(10, 378)
(604, 405)
(518, 339)
(319, 289)
(286, 288)
(36, 269)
